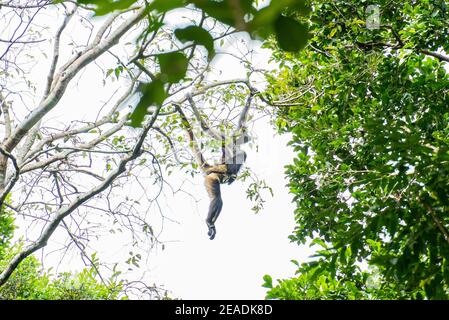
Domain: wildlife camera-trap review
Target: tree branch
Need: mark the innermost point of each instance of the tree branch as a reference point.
(55, 59)
(66, 210)
(193, 144)
(50, 101)
(6, 190)
(28, 166)
(67, 133)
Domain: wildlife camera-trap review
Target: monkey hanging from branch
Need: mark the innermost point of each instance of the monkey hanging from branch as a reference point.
(232, 159)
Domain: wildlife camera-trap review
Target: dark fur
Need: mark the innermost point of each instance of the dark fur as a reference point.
(216, 204)
(213, 181)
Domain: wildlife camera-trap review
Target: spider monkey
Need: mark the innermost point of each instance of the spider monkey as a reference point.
(226, 172)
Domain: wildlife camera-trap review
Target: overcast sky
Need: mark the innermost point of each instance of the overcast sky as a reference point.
(247, 245)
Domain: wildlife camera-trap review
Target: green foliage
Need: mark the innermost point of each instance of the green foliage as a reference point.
(153, 93)
(369, 114)
(166, 5)
(6, 229)
(105, 6)
(291, 35)
(199, 36)
(225, 11)
(173, 67)
(315, 281)
(29, 283)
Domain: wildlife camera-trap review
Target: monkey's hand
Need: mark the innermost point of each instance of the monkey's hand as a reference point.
(231, 179)
(212, 232)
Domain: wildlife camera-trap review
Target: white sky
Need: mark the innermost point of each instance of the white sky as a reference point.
(247, 245)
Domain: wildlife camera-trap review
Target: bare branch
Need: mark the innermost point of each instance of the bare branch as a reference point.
(66, 210)
(67, 133)
(170, 142)
(13, 39)
(204, 126)
(6, 190)
(54, 62)
(6, 116)
(28, 166)
(437, 55)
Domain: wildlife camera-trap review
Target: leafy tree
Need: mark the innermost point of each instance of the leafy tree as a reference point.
(369, 111)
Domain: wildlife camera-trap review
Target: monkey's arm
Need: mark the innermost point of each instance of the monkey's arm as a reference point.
(204, 125)
(244, 114)
(212, 183)
(193, 144)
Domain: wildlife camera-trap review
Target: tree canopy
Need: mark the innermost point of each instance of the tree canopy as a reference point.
(368, 109)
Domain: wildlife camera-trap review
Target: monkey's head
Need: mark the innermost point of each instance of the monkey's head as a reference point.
(240, 157)
(243, 138)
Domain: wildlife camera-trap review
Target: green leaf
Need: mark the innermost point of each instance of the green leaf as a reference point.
(109, 72)
(166, 5)
(117, 71)
(218, 10)
(268, 281)
(301, 7)
(290, 34)
(173, 66)
(264, 19)
(319, 242)
(199, 36)
(153, 93)
(230, 12)
(103, 7)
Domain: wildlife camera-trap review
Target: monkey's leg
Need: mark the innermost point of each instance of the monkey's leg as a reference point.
(212, 183)
(214, 211)
(218, 169)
